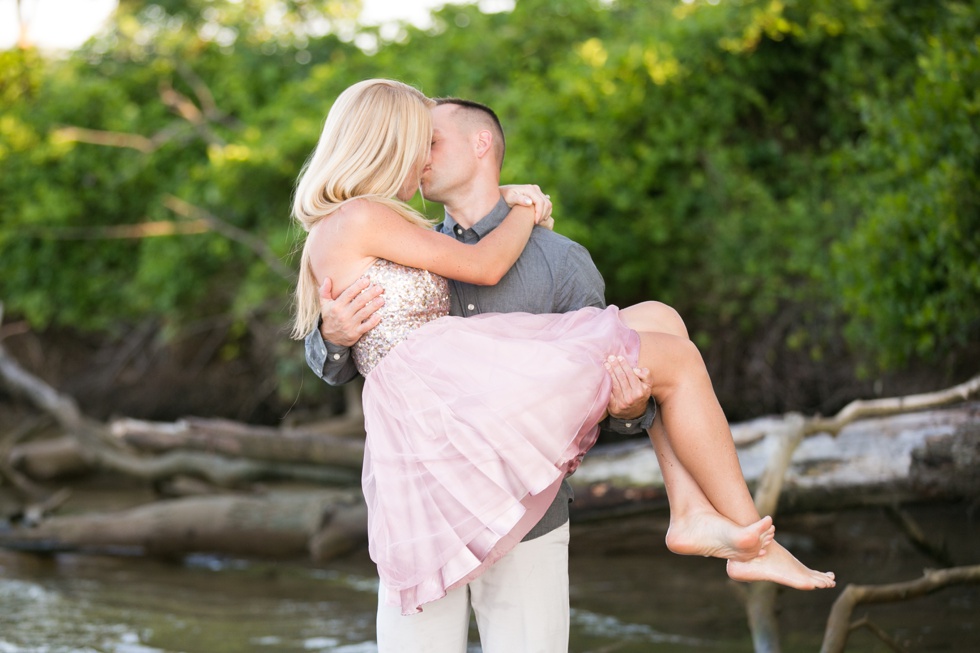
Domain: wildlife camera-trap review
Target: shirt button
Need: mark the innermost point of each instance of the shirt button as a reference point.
(470, 307)
(459, 231)
(336, 357)
(629, 424)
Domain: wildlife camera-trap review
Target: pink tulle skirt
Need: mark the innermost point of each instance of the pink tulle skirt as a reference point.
(471, 424)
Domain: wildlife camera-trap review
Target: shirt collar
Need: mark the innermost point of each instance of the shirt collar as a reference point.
(487, 223)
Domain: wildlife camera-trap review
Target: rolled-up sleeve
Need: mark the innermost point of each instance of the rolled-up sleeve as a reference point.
(332, 363)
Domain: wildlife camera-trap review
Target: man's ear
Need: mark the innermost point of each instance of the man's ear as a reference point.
(484, 143)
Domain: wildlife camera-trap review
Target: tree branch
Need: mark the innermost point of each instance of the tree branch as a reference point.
(20, 381)
(904, 520)
(864, 622)
(125, 231)
(138, 142)
(861, 409)
(835, 636)
(239, 440)
(188, 210)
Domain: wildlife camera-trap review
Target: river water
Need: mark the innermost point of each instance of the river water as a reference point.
(629, 595)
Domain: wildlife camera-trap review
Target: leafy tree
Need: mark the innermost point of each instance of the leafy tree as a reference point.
(775, 170)
(909, 270)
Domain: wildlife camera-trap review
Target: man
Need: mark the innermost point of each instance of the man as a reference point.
(521, 602)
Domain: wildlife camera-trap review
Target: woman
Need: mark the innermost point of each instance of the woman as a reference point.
(463, 451)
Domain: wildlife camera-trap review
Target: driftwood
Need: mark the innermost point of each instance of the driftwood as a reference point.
(870, 452)
(319, 524)
(94, 447)
(927, 455)
(235, 439)
(838, 624)
(760, 604)
(47, 460)
(822, 462)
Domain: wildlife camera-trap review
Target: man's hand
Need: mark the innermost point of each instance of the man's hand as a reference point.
(530, 195)
(345, 319)
(630, 389)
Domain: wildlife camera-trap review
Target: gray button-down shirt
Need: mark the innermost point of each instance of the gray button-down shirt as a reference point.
(552, 275)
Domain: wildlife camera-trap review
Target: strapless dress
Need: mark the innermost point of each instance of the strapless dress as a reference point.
(471, 425)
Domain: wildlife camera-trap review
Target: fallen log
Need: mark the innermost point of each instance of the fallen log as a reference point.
(49, 459)
(241, 440)
(224, 452)
(46, 460)
(876, 460)
(832, 471)
(319, 524)
(91, 446)
(926, 455)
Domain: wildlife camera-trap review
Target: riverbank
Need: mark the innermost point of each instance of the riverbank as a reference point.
(629, 595)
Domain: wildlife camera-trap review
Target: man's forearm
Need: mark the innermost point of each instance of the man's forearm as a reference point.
(621, 426)
(332, 363)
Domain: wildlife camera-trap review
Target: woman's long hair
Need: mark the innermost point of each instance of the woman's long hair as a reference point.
(377, 133)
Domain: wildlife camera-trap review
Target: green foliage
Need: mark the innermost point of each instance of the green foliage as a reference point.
(909, 270)
(765, 166)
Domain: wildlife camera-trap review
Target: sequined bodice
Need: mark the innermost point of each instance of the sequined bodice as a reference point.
(412, 297)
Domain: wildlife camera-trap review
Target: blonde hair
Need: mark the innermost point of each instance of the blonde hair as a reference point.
(376, 134)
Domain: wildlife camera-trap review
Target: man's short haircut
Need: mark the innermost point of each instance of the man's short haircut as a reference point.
(484, 114)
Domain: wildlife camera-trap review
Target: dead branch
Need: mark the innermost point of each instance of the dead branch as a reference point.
(105, 138)
(219, 470)
(20, 381)
(234, 439)
(343, 530)
(186, 209)
(35, 512)
(204, 96)
(770, 485)
(861, 409)
(761, 597)
(835, 635)
(7, 444)
(760, 609)
(754, 430)
(180, 104)
(85, 452)
(186, 109)
(133, 231)
(864, 622)
(98, 449)
(193, 120)
(138, 142)
(910, 527)
(49, 459)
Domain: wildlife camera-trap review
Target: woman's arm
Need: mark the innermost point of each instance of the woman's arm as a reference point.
(367, 230)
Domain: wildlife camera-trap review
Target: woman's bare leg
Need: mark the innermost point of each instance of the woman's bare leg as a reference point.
(698, 441)
(696, 528)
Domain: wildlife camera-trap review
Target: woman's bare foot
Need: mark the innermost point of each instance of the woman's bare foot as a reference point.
(709, 534)
(780, 566)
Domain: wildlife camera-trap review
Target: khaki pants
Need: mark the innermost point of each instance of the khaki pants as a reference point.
(520, 603)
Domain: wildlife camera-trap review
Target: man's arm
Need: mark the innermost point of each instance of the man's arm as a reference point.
(631, 408)
(331, 363)
(342, 323)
